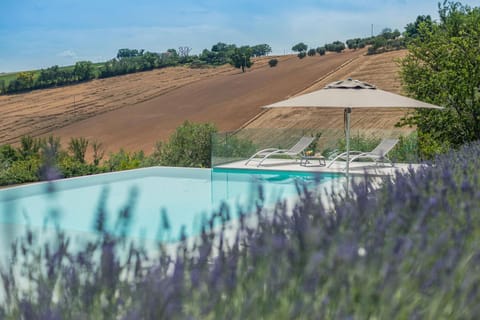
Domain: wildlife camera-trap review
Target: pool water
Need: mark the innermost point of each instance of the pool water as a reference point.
(186, 195)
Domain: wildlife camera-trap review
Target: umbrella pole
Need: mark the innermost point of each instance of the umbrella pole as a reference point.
(347, 111)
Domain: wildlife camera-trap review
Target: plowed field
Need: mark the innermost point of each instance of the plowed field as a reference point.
(134, 111)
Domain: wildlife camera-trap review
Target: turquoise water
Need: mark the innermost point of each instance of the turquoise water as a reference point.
(186, 195)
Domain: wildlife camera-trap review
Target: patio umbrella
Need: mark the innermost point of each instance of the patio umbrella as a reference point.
(348, 94)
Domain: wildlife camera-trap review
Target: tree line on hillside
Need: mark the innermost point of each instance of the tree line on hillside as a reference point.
(133, 60)
(387, 40)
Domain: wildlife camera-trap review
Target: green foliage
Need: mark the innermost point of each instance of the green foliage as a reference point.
(3, 86)
(220, 54)
(189, 146)
(230, 146)
(127, 61)
(354, 43)
(241, 58)
(71, 167)
(300, 47)
(406, 150)
(336, 46)
(43, 159)
(98, 152)
(24, 81)
(78, 148)
(83, 71)
(443, 68)
(29, 147)
(123, 160)
(261, 50)
(301, 54)
(311, 52)
(273, 62)
(51, 149)
(7, 155)
(321, 50)
(359, 142)
(387, 40)
(20, 171)
(412, 30)
(129, 53)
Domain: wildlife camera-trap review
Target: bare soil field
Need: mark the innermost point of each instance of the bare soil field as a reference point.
(380, 70)
(136, 110)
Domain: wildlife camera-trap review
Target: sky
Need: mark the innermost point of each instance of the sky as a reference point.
(40, 33)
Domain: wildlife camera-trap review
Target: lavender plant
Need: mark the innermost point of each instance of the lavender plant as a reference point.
(407, 250)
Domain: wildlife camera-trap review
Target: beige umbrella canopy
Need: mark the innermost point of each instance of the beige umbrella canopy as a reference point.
(352, 94)
(349, 94)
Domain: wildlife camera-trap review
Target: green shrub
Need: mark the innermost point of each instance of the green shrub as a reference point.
(302, 55)
(229, 146)
(71, 167)
(312, 52)
(321, 51)
(7, 154)
(189, 146)
(406, 150)
(359, 142)
(123, 160)
(78, 148)
(273, 62)
(21, 171)
(29, 147)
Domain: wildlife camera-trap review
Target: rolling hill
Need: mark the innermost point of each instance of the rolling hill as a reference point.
(134, 111)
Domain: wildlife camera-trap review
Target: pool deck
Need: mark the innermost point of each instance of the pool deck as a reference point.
(356, 168)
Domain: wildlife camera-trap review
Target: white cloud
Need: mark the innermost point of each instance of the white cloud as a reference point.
(67, 54)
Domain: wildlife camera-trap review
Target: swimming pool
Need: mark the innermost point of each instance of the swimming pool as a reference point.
(185, 194)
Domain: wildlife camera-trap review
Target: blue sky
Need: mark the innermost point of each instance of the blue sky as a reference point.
(41, 33)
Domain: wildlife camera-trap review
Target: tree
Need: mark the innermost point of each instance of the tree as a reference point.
(442, 67)
(83, 71)
(321, 50)
(189, 146)
(336, 46)
(98, 152)
(353, 43)
(300, 47)
(412, 29)
(29, 147)
(24, 81)
(261, 50)
(312, 52)
(128, 53)
(78, 148)
(241, 58)
(220, 54)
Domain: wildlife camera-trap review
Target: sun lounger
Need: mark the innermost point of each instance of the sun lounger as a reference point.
(379, 154)
(294, 152)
